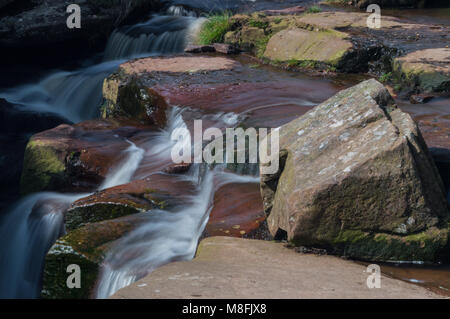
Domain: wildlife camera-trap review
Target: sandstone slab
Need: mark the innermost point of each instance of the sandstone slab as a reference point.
(232, 268)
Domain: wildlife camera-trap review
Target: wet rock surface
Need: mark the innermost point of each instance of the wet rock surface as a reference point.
(382, 197)
(158, 191)
(85, 247)
(342, 41)
(237, 211)
(248, 269)
(43, 24)
(74, 158)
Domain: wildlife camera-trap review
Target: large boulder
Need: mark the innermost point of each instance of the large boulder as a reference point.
(356, 178)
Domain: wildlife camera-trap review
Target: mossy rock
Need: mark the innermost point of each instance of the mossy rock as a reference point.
(427, 246)
(43, 168)
(328, 47)
(423, 71)
(85, 247)
(128, 98)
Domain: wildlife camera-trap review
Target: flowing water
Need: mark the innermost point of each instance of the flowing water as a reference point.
(30, 227)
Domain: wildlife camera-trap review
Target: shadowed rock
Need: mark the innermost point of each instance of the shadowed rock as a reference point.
(85, 247)
(237, 211)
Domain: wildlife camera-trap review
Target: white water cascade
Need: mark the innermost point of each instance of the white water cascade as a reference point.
(76, 95)
(34, 223)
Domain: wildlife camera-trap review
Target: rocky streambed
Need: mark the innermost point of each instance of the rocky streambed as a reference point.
(363, 169)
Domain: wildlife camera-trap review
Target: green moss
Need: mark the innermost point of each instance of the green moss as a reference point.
(55, 274)
(79, 216)
(215, 28)
(42, 168)
(424, 246)
(258, 23)
(85, 247)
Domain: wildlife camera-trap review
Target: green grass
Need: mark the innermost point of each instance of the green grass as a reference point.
(260, 46)
(385, 77)
(313, 9)
(214, 29)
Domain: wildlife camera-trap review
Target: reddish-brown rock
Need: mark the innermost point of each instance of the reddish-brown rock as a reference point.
(76, 157)
(158, 191)
(237, 210)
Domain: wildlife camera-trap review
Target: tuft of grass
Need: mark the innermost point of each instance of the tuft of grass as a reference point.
(260, 46)
(385, 77)
(214, 29)
(313, 9)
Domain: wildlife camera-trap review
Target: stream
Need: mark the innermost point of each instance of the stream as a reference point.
(30, 226)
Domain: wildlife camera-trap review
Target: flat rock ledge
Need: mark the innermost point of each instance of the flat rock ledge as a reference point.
(232, 268)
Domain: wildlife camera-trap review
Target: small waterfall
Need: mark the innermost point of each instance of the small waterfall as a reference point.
(32, 225)
(180, 11)
(26, 234)
(77, 95)
(73, 95)
(164, 237)
(160, 35)
(123, 173)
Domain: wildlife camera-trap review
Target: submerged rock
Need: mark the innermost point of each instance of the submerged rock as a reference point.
(357, 178)
(85, 247)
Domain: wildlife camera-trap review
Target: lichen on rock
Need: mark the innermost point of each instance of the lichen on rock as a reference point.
(381, 185)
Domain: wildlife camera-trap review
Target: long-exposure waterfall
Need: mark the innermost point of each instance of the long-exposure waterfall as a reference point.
(96, 174)
(31, 226)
